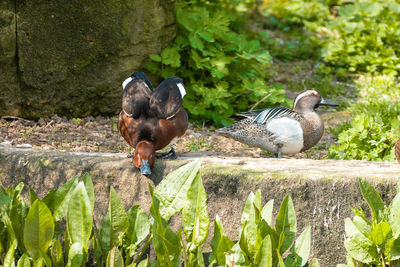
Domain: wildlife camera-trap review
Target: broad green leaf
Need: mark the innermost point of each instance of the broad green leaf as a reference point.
(395, 250)
(170, 56)
(286, 223)
(195, 41)
(38, 229)
(252, 208)
(155, 57)
(196, 258)
(139, 228)
(87, 181)
(359, 246)
(115, 223)
(302, 247)
(172, 190)
(4, 198)
(394, 216)
(220, 243)
(236, 257)
(195, 218)
(60, 199)
(143, 263)
(372, 197)
(75, 255)
(266, 252)
(32, 196)
(280, 260)
(114, 258)
(379, 232)
(9, 260)
(7, 222)
(165, 242)
(24, 261)
(315, 263)
(266, 212)
(363, 225)
(79, 217)
(56, 253)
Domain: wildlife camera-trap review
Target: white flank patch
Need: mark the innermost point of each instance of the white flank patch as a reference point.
(288, 133)
(127, 80)
(181, 89)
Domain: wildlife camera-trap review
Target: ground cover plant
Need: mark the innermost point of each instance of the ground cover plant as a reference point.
(31, 231)
(218, 60)
(376, 125)
(376, 241)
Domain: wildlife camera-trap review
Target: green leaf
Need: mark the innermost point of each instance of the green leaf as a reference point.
(220, 243)
(315, 263)
(195, 41)
(10, 258)
(372, 197)
(195, 218)
(115, 223)
(359, 246)
(39, 229)
(75, 255)
(196, 258)
(60, 199)
(165, 242)
(155, 57)
(172, 190)
(394, 216)
(87, 181)
(79, 217)
(266, 212)
(170, 56)
(24, 261)
(114, 258)
(302, 247)
(57, 254)
(266, 252)
(379, 233)
(236, 257)
(139, 228)
(251, 216)
(286, 223)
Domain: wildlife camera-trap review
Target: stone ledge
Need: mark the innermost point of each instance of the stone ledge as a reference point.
(323, 191)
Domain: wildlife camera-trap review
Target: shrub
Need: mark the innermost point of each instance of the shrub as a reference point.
(373, 242)
(223, 69)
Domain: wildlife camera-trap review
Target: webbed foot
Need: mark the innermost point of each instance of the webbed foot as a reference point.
(169, 155)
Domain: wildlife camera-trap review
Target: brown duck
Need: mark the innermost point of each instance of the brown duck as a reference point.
(149, 119)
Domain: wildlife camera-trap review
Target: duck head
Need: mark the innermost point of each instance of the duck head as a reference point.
(144, 156)
(309, 100)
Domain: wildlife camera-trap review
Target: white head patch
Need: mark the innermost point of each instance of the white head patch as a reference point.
(304, 94)
(181, 89)
(127, 80)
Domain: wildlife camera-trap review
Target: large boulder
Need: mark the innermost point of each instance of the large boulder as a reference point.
(70, 57)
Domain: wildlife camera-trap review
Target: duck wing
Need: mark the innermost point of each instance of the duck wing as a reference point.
(167, 99)
(250, 114)
(137, 93)
(267, 115)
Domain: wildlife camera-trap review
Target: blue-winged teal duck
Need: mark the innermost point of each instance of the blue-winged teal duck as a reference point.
(282, 130)
(149, 119)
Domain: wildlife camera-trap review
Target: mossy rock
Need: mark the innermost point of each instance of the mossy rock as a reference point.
(70, 57)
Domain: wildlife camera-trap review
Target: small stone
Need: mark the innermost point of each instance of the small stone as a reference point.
(24, 146)
(6, 143)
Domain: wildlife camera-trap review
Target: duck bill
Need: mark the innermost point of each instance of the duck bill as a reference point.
(145, 167)
(327, 102)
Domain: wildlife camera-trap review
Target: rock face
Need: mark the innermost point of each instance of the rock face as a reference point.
(70, 57)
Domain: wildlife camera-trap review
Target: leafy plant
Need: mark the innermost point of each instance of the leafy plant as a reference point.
(376, 127)
(259, 243)
(223, 69)
(374, 242)
(31, 235)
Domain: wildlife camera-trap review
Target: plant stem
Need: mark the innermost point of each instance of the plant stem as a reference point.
(383, 260)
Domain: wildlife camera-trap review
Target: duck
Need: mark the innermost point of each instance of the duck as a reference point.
(151, 119)
(281, 130)
(397, 150)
